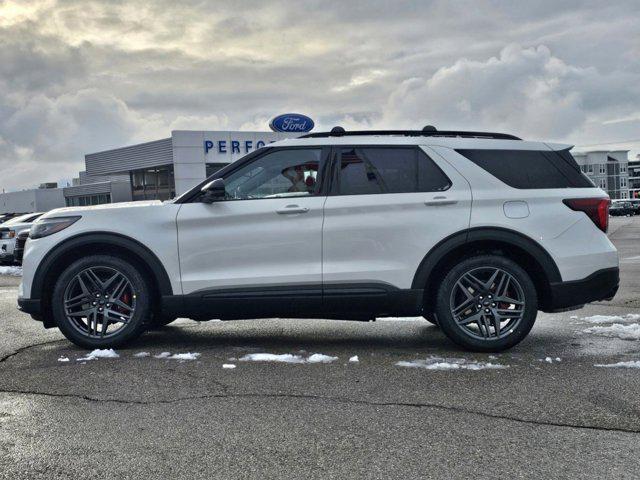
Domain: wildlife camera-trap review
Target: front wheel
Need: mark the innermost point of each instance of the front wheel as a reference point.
(101, 301)
(487, 303)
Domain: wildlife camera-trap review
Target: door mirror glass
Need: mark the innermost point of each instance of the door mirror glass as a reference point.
(213, 191)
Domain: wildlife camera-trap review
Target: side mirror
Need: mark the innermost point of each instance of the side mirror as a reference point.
(214, 191)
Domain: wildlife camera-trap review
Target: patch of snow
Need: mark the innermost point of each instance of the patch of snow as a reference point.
(438, 363)
(63, 359)
(400, 319)
(99, 353)
(354, 359)
(163, 355)
(321, 358)
(631, 364)
(548, 360)
(228, 365)
(272, 357)
(624, 332)
(631, 317)
(287, 358)
(11, 271)
(142, 354)
(184, 356)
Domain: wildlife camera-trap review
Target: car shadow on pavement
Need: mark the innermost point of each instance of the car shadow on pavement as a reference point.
(287, 334)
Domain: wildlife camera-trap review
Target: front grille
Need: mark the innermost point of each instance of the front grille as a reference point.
(18, 250)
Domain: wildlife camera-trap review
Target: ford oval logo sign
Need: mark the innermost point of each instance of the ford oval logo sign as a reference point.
(291, 123)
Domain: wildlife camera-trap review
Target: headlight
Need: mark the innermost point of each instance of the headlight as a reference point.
(49, 226)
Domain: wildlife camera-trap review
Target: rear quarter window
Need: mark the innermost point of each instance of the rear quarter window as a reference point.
(530, 169)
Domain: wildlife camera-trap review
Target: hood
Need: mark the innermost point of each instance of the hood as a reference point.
(61, 212)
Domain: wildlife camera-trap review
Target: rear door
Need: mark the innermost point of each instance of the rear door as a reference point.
(389, 205)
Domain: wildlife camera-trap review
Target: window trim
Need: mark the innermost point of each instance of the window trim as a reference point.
(194, 195)
(335, 171)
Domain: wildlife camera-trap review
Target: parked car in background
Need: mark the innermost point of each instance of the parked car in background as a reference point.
(21, 241)
(621, 208)
(635, 204)
(9, 232)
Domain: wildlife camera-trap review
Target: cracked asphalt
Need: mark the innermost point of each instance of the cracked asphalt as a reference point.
(156, 418)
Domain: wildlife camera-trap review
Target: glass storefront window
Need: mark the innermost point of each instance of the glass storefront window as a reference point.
(153, 183)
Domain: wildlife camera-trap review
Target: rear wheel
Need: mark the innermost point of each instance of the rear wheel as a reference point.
(487, 303)
(101, 301)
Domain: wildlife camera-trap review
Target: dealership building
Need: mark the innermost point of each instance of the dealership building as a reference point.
(162, 169)
(156, 170)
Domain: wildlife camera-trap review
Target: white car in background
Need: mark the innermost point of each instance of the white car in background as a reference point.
(9, 231)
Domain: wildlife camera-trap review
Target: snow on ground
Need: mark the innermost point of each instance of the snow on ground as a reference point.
(550, 360)
(142, 354)
(631, 317)
(354, 359)
(99, 353)
(228, 366)
(63, 359)
(287, 358)
(321, 358)
(184, 356)
(439, 363)
(400, 319)
(11, 271)
(631, 364)
(175, 356)
(617, 330)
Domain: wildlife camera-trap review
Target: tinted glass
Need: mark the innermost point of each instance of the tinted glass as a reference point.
(373, 170)
(530, 168)
(283, 173)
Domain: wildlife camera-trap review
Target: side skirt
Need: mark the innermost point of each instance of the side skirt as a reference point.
(337, 301)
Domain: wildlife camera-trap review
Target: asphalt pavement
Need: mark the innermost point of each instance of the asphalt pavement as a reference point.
(549, 412)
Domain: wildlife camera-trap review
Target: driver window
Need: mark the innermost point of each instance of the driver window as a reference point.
(283, 173)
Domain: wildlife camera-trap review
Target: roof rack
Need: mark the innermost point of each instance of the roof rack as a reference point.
(428, 131)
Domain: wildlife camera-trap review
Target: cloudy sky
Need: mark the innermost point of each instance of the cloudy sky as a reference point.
(79, 76)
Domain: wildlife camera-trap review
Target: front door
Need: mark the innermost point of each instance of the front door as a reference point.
(264, 240)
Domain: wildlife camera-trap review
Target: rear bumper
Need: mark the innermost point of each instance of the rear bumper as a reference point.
(600, 285)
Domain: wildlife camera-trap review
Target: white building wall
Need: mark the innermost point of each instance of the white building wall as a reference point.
(35, 200)
(192, 150)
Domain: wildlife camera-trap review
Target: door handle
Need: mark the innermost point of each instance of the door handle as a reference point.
(291, 209)
(440, 200)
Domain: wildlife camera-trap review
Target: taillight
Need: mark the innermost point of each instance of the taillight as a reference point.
(597, 209)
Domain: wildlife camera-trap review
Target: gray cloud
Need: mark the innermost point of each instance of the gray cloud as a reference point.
(78, 76)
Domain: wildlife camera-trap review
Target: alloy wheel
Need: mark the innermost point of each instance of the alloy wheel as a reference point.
(99, 302)
(487, 303)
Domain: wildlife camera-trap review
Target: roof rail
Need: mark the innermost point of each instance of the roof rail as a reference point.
(428, 131)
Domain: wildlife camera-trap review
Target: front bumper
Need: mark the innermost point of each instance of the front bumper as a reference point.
(29, 305)
(600, 285)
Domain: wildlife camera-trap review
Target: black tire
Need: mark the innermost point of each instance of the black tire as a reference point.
(514, 330)
(74, 328)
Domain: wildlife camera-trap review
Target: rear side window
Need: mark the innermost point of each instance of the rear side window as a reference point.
(530, 168)
(374, 170)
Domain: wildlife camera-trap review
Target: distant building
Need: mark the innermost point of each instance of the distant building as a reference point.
(162, 169)
(34, 200)
(95, 190)
(607, 169)
(634, 178)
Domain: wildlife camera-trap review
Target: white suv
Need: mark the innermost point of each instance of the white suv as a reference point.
(474, 231)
